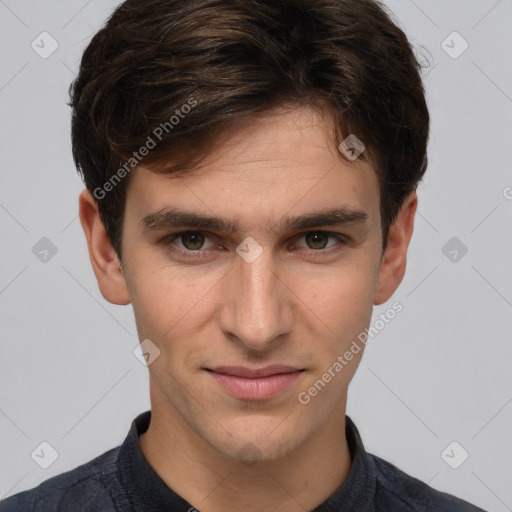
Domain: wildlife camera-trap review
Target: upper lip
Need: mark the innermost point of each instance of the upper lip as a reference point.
(241, 371)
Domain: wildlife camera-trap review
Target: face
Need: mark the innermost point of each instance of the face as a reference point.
(274, 291)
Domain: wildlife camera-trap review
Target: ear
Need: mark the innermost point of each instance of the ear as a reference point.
(104, 260)
(394, 259)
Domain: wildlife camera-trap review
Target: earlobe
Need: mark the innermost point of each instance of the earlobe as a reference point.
(104, 260)
(394, 260)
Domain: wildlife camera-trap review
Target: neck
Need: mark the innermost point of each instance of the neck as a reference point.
(209, 480)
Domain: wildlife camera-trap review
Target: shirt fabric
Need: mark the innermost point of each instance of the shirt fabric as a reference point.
(121, 480)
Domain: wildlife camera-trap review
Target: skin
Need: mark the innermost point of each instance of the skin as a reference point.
(286, 307)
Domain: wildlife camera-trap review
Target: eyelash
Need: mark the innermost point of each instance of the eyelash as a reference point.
(169, 239)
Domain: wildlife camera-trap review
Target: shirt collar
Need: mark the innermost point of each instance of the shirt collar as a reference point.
(148, 492)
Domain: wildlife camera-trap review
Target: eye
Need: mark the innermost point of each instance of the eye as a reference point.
(192, 242)
(317, 241)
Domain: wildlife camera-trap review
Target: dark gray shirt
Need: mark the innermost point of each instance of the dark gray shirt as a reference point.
(122, 480)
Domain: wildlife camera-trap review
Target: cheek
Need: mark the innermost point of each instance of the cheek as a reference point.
(341, 302)
(168, 304)
(340, 309)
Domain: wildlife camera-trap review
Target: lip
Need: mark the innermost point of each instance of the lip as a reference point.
(255, 384)
(242, 371)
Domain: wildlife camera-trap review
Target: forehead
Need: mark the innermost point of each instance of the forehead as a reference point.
(285, 163)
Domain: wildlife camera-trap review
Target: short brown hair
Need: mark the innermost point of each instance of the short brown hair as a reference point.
(196, 67)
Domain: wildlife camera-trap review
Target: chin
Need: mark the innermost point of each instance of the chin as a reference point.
(253, 441)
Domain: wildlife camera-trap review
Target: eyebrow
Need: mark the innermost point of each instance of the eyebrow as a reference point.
(171, 218)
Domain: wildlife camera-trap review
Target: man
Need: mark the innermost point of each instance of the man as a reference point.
(251, 169)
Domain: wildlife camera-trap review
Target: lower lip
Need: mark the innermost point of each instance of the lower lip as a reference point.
(261, 388)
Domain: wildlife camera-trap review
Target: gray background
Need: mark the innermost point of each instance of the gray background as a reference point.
(438, 373)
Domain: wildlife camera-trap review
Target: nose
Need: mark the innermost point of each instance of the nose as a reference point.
(257, 305)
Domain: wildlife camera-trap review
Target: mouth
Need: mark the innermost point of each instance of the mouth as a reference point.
(255, 384)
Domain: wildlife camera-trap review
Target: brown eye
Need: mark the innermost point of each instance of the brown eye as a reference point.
(321, 243)
(192, 241)
(317, 240)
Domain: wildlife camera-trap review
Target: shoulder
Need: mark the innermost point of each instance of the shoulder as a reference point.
(398, 491)
(84, 488)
